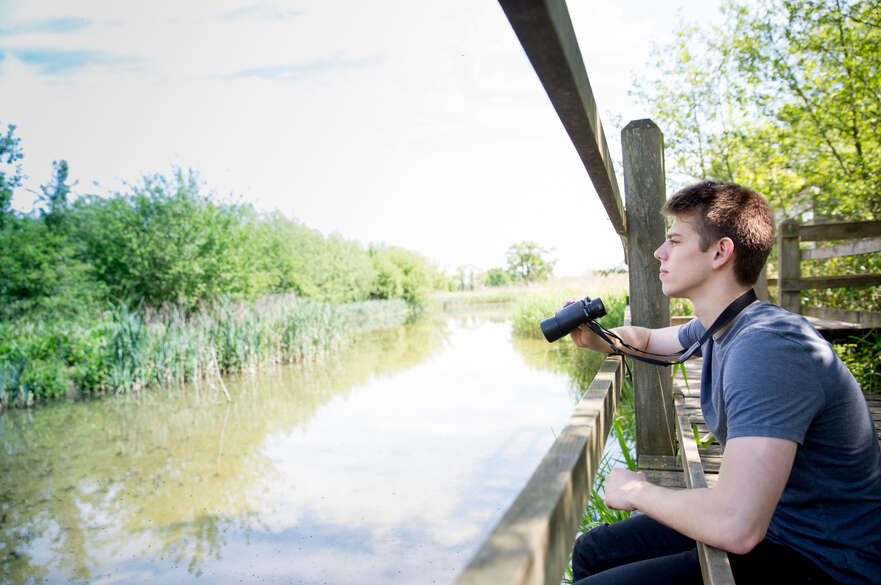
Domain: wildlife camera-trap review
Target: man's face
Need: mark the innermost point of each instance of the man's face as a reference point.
(684, 267)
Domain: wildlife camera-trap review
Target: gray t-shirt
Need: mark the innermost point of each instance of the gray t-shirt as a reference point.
(772, 375)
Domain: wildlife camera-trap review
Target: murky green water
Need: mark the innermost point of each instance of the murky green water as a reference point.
(388, 464)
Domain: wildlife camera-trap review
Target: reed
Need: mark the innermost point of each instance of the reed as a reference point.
(532, 308)
(131, 349)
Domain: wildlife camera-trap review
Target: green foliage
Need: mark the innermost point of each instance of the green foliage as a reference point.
(127, 350)
(10, 169)
(531, 309)
(41, 273)
(466, 278)
(402, 272)
(862, 356)
(681, 307)
(624, 431)
(528, 262)
(497, 277)
(50, 359)
(55, 196)
(783, 98)
(166, 242)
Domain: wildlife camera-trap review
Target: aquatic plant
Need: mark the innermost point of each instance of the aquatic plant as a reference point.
(129, 349)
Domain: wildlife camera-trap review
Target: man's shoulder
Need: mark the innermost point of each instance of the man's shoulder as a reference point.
(769, 321)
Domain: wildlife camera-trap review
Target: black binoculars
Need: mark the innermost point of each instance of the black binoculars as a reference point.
(571, 316)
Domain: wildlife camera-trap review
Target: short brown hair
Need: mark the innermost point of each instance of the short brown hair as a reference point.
(729, 210)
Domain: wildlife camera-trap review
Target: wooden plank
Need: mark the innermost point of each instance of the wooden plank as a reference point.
(645, 187)
(863, 318)
(840, 231)
(789, 266)
(792, 284)
(856, 248)
(546, 34)
(715, 566)
(532, 542)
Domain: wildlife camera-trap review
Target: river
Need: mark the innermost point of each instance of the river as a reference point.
(388, 463)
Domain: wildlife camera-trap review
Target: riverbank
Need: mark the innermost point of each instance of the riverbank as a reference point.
(127, 350)
(589, 284)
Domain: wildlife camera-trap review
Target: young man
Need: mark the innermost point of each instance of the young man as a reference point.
(798, 498)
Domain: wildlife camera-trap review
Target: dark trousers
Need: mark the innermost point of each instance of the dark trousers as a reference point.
(642, 551)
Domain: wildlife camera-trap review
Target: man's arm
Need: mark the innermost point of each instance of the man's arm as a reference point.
(735, 514)
(661, 341)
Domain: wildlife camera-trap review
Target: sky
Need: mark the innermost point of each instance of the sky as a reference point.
(414, 124)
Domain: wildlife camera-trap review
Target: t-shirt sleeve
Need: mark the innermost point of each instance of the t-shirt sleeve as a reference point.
(769, 388)
(690, 333)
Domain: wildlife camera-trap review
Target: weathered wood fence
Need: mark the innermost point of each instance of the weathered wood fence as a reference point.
(858, 238)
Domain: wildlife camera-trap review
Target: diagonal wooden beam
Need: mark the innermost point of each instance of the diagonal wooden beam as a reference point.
(545, 31)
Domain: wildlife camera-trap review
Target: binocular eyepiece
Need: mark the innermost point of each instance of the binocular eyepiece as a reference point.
(571, 316)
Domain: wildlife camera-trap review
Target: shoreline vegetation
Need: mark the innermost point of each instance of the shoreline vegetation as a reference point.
(129, 350)
(124, 349)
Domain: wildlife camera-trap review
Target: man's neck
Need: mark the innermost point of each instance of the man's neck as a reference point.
(710, 303)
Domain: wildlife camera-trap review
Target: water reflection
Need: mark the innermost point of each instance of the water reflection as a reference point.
(388, 464)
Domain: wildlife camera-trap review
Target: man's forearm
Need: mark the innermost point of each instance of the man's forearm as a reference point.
(701, 514)
(735, 514)
(634, 336)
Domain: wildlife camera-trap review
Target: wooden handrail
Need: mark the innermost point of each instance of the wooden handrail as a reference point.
(532, 542)
(847, 230)
(715, 567)
(545, 31)
(790, 280)
(855, 248)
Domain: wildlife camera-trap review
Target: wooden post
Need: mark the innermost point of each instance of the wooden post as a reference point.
(644, 187)
(788, 294)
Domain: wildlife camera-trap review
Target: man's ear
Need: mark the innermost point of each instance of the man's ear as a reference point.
(723, 251)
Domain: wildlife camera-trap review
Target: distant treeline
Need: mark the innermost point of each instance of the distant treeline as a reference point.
(165, 242)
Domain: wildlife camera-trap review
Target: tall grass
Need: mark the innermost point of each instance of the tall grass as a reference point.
(532, 308)
(862, 356)
(128, 350)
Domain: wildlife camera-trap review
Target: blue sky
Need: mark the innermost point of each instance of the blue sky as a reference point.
(419, 124)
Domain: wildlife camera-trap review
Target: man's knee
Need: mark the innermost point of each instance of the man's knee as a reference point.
(590, 553)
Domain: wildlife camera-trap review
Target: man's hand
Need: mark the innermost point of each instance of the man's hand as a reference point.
(620, 487)
(582, 336)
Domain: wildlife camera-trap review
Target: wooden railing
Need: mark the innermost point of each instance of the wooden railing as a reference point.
(532, 542)
(861, 237)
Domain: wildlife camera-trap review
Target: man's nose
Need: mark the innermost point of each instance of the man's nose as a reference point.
(657, 253)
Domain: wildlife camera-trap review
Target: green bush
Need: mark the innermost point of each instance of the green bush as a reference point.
(402, 274)
(166, 242)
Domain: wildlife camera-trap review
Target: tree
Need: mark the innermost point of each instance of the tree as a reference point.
(497, 277)
(55, 196)
(401, 273)
(166, 242)
(528, 262)
(10, 170)
(784, 98)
